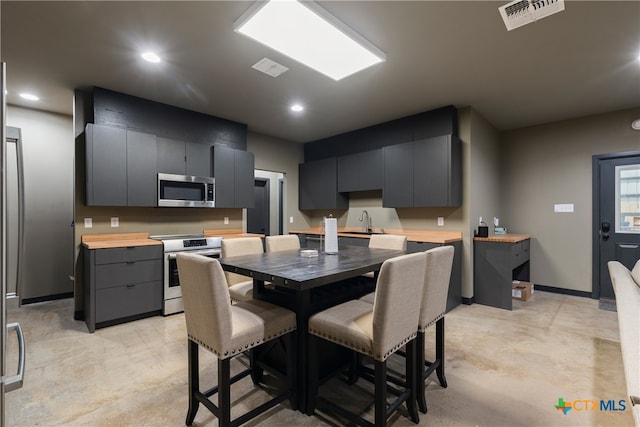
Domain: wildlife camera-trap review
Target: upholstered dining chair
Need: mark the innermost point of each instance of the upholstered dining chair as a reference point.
(240, 287)
(227, 330)
(384, 241)
(439, 262)
(286, 242)
(377, 331)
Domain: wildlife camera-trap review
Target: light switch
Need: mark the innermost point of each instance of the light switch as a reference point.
(115, 221)
(440, 221)
(226, 220)
(290, 220)
(88, 222)
(563, 208)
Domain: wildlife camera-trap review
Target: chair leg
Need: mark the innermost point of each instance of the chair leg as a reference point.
(440, 351)
(224, 392)
(194, 381)
(313, 375)
(420, 361)
(381, 394)
(292, 380)
(412, 372)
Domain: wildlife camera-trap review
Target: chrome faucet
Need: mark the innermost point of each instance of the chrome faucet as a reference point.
(366, 221)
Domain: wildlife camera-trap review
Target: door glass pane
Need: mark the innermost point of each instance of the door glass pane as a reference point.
(628, 199)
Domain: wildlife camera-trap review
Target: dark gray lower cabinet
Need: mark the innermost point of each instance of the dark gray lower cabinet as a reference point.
(121, 284)
(495, 266)
(454, 297)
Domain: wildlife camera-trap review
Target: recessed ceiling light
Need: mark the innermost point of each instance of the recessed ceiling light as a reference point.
(310, 35)
(151, 57)
(29, 97)
(297, 108)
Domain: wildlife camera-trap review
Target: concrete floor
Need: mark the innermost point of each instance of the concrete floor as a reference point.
(504, 368)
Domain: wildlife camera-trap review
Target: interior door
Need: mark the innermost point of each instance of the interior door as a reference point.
(258, 216)
(616, 216)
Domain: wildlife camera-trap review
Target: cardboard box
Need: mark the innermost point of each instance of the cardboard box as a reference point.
(521, 290)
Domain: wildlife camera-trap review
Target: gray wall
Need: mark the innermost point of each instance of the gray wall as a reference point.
(483, 185)
(276, 155)
(549, 164)
(47, 144)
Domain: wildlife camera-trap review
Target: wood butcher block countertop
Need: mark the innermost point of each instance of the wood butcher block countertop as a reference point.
(503, 238)
(117, 240)
(230, 233)
(426, 236)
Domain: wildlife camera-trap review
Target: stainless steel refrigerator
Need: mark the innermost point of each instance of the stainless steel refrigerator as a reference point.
(8, 382)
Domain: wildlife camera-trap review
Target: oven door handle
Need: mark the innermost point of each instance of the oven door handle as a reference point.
(212, 253)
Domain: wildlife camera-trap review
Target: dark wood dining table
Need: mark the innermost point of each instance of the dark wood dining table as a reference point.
(307, 285)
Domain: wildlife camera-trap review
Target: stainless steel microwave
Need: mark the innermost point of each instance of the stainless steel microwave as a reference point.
(186, 191)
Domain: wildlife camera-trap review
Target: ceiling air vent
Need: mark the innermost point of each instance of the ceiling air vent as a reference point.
(270, 67)
(521, 12)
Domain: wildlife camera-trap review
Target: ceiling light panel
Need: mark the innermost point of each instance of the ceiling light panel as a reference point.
(310, 35)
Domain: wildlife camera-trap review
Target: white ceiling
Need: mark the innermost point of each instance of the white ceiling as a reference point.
(578, 62)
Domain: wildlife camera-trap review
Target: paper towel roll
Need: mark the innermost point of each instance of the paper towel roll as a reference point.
(331, 235)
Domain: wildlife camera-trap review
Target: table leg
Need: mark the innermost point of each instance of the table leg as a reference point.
(302, 318)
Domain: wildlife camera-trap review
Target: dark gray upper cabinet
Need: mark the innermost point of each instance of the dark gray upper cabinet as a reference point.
(197, 159)
(233, 171)
(183, 158)
(171, 156)
(424, 173)
(106, 161)
(142, 182)
(361, 171)
(397, 191)
(438, 171)
(121, 167)
(318, 185)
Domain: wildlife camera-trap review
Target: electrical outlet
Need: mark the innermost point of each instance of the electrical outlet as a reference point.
(115, 222)
(290, 220)
(226, 220)
(480, 221)
(496, 221)
(440, 221)
(88, 222)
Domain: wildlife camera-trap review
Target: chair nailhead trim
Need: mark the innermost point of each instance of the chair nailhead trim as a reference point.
(235, 351)
(359, 348)
(424, 328)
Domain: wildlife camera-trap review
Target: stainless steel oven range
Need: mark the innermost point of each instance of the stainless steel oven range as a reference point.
(194, 243)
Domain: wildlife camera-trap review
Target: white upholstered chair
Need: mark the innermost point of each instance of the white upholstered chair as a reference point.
(376, 331)
(227, 330)
(439, 262)
(240, 287)
(384, 241)
(286, 242)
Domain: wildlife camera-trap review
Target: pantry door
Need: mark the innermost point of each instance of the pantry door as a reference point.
(616, 216)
